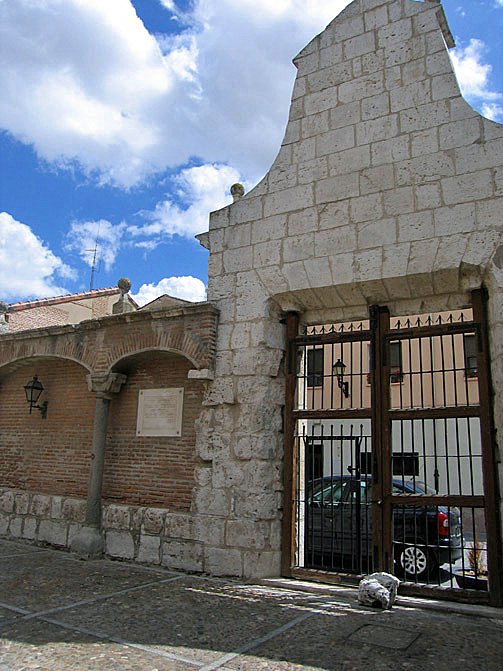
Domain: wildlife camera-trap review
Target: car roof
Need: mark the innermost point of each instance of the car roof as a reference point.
(412, 486)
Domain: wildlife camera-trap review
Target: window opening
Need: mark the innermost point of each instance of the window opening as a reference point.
(470, 352)
(395, 362)
(315, 367)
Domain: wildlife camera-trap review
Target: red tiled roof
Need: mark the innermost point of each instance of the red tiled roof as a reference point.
(67, 298)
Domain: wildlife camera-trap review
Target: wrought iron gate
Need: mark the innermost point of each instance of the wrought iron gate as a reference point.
(389, 459)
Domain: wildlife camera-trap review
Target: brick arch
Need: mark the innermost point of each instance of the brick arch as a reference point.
(98, 345)
(62, 343)
(20, 361)
(176, 340)
(127, 355)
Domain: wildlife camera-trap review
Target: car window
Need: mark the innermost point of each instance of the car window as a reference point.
(328, 492)
(411, 487)
(364, 488)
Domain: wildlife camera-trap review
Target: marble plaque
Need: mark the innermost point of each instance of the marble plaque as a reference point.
(160, 412)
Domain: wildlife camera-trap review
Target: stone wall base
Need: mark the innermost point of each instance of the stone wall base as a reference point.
(180, 541)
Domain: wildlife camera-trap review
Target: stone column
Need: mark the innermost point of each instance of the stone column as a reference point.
(89, 541)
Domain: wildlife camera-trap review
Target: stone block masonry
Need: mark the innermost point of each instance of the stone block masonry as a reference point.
(158, 536)
(387, 188)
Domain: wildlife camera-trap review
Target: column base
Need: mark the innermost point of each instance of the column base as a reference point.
(88, 543)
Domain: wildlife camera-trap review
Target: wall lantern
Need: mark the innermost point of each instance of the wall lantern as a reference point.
(338, 369)
(33, 390)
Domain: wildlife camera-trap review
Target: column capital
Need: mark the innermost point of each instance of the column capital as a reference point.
(106, 385)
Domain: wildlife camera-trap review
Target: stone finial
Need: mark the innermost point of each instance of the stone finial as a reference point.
(378, 590)
(123, 304)
(237, 191)
(124, 285)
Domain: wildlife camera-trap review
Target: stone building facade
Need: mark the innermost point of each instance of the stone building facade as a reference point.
(386, 190)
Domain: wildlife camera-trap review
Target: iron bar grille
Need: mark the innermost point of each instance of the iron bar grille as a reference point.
(317, 383)
(424, 479)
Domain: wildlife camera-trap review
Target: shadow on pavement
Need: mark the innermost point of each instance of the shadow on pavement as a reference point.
(60, 613)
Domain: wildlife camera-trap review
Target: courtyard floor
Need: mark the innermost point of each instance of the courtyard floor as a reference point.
(58, 613)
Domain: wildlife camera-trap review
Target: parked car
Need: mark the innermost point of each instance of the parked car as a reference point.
(338, 507)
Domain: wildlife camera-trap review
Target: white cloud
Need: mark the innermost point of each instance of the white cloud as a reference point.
(84, 82)
(493, 111)
(28, 268)
(474, 79)
(195, 192)
(199, 190)
(86, 236)
(81, 80)
(189, 288)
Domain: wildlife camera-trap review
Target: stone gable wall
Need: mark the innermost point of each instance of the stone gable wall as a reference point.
(387, 189)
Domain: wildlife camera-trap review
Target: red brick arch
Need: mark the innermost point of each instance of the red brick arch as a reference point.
(116, 362)
(19, 362)
(98, 345)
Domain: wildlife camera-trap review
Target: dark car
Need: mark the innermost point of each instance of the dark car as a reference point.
(338, 523)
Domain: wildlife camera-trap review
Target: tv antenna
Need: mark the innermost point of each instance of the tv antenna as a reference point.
(93, 265)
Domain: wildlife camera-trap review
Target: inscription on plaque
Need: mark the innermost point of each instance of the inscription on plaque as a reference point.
(160, 412)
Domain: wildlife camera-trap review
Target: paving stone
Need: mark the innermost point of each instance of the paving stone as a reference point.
(37, 582)
(9, 548)
(7, 616)
(193, 622)
(42, 646)
(205, 618)
(385, 637)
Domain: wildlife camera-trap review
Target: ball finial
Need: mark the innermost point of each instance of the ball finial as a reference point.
(237, 191)
(124, 285)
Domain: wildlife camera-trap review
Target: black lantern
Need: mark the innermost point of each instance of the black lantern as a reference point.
(338, 369)
(33, 389)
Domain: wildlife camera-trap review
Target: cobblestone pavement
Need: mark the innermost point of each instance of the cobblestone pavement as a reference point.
(58, 613)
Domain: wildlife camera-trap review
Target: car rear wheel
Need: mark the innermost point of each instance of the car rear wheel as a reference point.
(416, 562)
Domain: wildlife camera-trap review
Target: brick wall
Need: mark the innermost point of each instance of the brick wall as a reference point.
(148, 512)
(36, 317)
(145, 470)
(52, 455)
(47, 455)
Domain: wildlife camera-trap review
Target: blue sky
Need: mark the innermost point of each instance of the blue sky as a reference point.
(124, 123)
